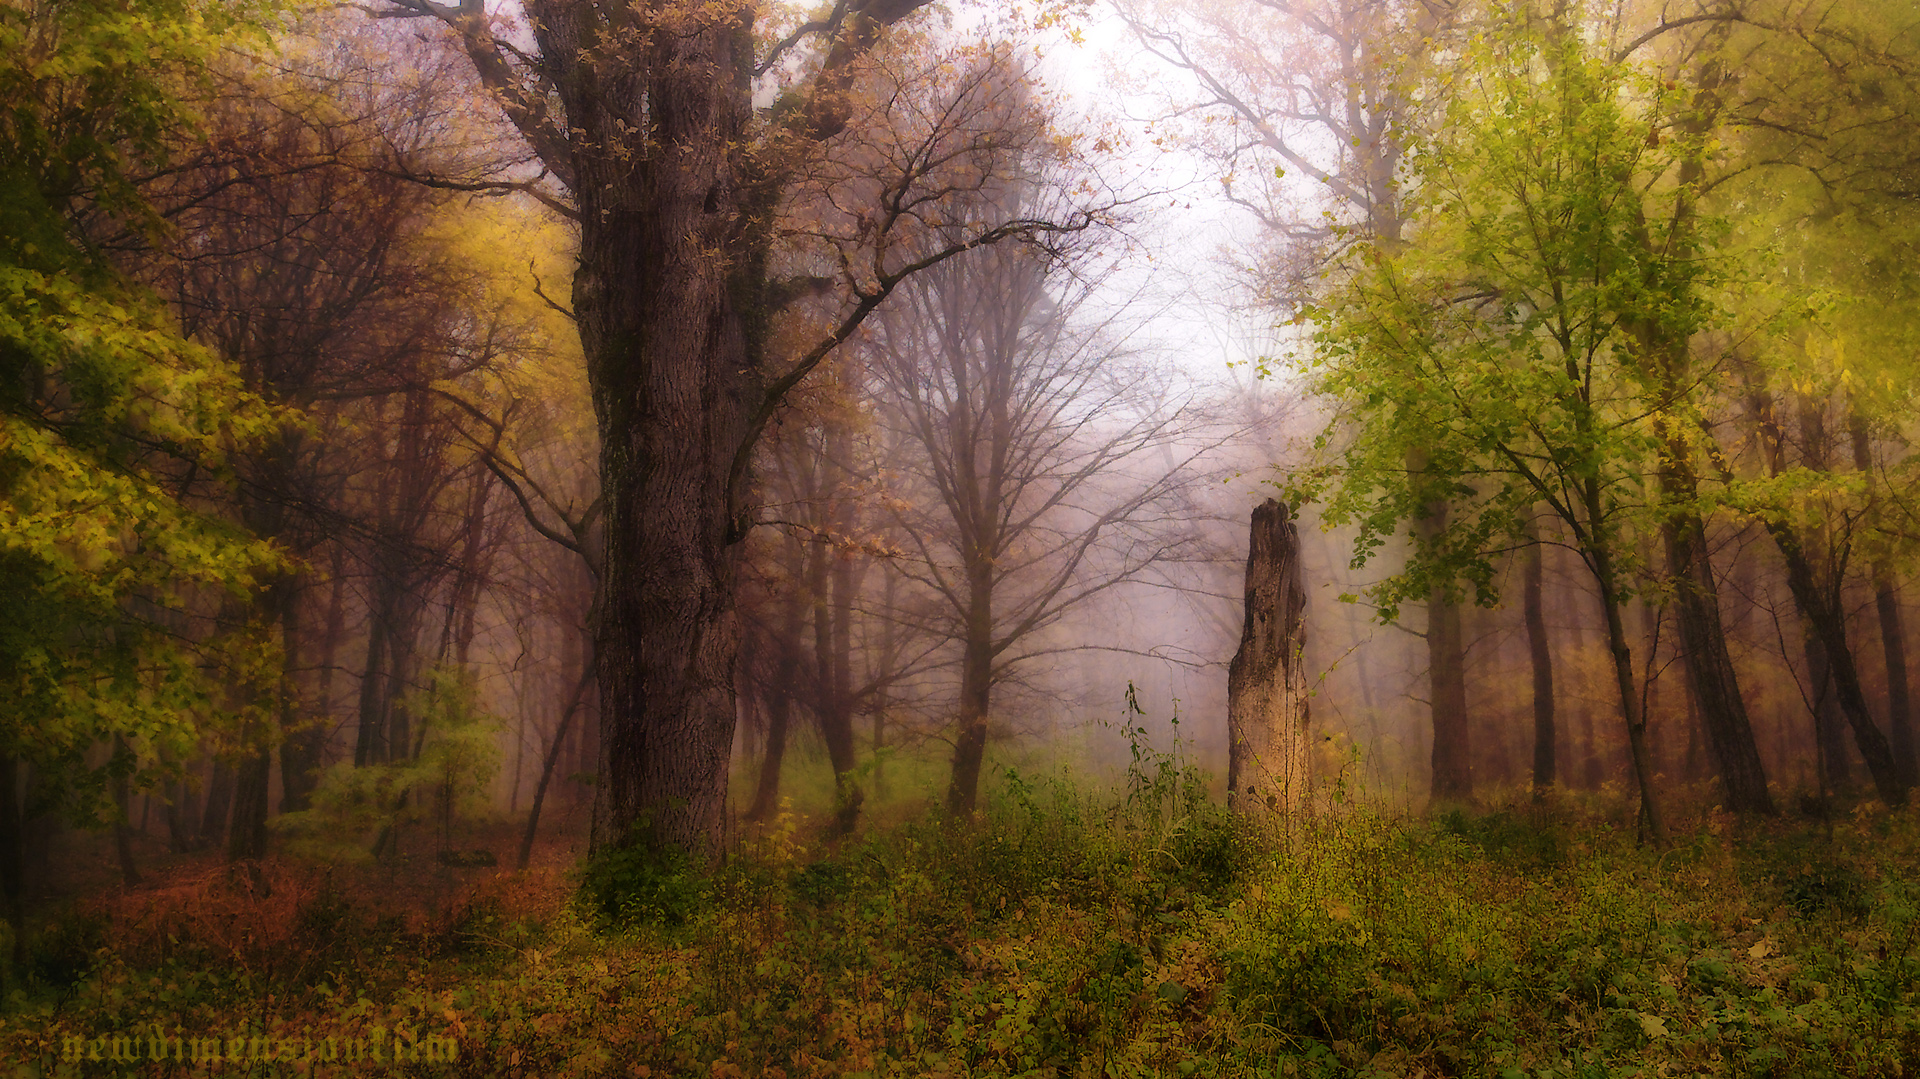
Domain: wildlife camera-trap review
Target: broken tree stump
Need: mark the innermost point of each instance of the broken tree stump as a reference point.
(1267, 763)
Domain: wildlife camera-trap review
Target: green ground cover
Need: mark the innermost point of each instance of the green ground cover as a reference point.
(1140, 933)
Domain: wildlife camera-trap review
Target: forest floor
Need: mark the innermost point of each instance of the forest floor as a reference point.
(1138, 933)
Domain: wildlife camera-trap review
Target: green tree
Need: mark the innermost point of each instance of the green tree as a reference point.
(1507, 344)
(112, 584)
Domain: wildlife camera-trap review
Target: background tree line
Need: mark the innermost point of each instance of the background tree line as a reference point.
(544, 406)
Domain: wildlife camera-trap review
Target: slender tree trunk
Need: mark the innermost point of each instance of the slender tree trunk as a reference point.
(766, 791)
(1899, 709)
(1710, 673)
(213, 821)
(1828, 720)
(401, 670)
(1452, 758)
(181, 814)
(976, 688)
(574, 702)
(779, 693)
(247, 838)
(882, 682)
(1886, 601)
(370, 744)
(1622, 655)
(13, 859)
(1446, 663)
(830, 581)
(472, 573)
(122, 821)
(1820, 604)
(1267, 762)
(1539, 651)
(1667, 360)
(1821, 608)
(304, 738)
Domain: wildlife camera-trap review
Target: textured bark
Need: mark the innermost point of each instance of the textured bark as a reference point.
(1540, 653)
(664, 272)
(1267, 762)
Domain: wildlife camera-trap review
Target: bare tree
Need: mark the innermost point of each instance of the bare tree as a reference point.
(1044, 465)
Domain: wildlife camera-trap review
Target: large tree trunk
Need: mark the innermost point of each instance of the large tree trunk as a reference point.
(1267, 762)
(667, 271)
(1539, 651)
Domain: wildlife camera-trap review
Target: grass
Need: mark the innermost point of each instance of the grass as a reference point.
(1138, 933)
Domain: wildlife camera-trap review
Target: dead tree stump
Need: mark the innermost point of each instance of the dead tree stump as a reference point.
(1267, 762)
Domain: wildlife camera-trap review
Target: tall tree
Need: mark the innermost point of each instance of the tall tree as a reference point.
(112, 581)
(1045, 462)
(643, 113)
(1519, 338)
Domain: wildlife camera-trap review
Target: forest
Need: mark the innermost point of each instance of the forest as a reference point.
(778, 538)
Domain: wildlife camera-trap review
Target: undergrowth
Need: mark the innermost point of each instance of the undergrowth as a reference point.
(1144, 933)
